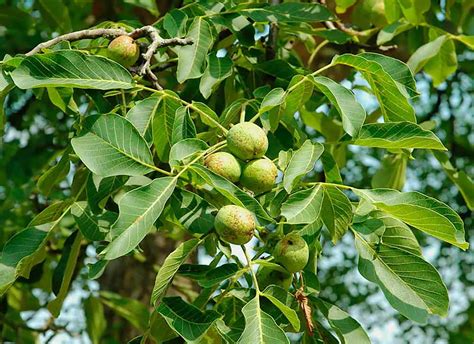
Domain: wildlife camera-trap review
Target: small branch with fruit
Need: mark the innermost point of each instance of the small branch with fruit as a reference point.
(123, 48)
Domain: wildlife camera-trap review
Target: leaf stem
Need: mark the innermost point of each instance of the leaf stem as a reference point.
(342, 186)
(315, 51)
(124, 103)
(157, 169)
(249, 263)
(242, 113)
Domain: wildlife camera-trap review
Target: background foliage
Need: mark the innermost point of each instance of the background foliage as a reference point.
(240, 53)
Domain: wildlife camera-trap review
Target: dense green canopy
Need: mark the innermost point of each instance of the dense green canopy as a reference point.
(107, 203)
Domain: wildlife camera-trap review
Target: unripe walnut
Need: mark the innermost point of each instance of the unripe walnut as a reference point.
(124, 50)
(267, 276)
(292, 252)
(234, 224)
(247, 141)
(259, 175)
(225, 165)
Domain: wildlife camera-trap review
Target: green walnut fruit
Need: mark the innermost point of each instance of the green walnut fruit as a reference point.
(267, 276)
(247, 141)
(225, 165)
(259, 175)
(234, 224)
(292, 252)
(124, 50)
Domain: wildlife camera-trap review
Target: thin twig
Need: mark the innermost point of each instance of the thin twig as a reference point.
(157, 42)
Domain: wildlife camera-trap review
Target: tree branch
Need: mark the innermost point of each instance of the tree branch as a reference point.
(77, 35)
(148, 30)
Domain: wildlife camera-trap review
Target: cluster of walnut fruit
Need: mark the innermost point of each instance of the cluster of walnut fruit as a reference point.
(246, 164)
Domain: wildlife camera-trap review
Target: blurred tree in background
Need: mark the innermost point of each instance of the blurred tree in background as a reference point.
(434, 38)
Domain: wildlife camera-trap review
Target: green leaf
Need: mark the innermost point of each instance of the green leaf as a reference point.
(231, 192)
(424, 53)
(192, 57)
(420, 211)
(132, 310)
(273, 98)
(182, 151)
(390, 31)
(391, 173)
(50, 214)
(142, 113)
(411, 285)
(26, 248)
(323, 334)
(336, 212)
(138, 211)
(192, 211)
(194, 271)
(397, 135)
(352, 113)
(63, 98)
(55, 174)
(347, 329)
(413, 10)
(299, 95)
(100, 189)
(187, 320)
(64, 271)
(290, 12)
(19, 255)
(218, 69)
(70, 68)
(463, 182)
(218, 275)
(397, 234)
(170, 267)
(333, 35)
(174, 22)
(398, 70)
(91, 225)
(207, 115)
(282, 300)
(163, 122)
(95, 319)
(230, 334)
(443, 64)
(301, 162)
(232, 113)
(112, 146)
(183, 126)
(260, 328)
(393, 103)
(303, 206)
(331, 170)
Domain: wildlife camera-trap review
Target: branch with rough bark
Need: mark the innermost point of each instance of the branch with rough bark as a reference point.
(145, 31)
